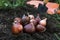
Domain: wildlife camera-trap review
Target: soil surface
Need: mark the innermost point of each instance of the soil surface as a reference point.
(6, 19)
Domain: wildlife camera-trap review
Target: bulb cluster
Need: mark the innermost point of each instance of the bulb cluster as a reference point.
(29, 24)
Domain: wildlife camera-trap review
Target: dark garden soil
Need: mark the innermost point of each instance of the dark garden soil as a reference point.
(6, 20)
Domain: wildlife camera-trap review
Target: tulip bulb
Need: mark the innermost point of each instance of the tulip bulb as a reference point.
(25, 20)
(40, 28)
(29, 28)
(17, 27)
(43, 22)
(33, 21)
(30, 16)
(37, 18)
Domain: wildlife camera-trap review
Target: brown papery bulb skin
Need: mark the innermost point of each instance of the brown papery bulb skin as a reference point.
(43, 22)
(40, 28)
(30, 16)
(25, 20)
(17, 28)
(29, 28)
